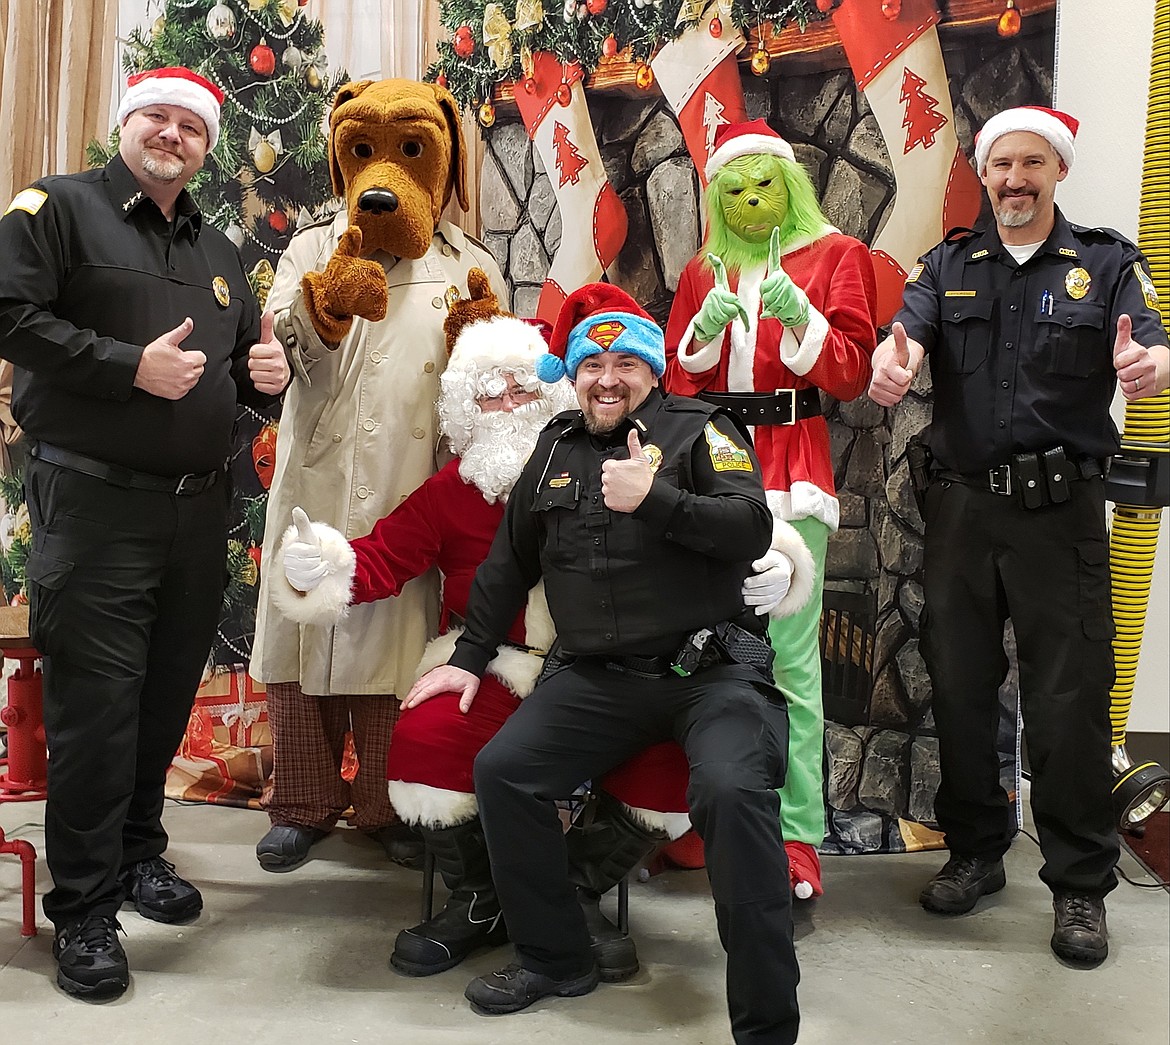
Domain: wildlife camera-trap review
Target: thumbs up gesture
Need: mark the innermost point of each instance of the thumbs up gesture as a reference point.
(893, 370)
(303, 566)
(166, 369)
(720, 306)
(782, 299)
(624, 484)
(350, 286)
(1137, 372)
(267, 363)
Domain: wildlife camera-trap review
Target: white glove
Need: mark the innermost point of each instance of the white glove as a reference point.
(303, 566)
(770, 583)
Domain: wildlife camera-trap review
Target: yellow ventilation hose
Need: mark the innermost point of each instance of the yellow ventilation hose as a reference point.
(1141, 789)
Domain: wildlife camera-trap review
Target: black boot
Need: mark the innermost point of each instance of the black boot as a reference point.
(602, 852)
(471, 918)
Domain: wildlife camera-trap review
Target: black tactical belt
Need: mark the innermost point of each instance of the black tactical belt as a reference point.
(785, 406)
(1036, 479)
(183, 485)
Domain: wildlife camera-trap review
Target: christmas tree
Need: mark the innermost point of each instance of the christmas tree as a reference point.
(569, 160)
(267, 175)
(922, 120)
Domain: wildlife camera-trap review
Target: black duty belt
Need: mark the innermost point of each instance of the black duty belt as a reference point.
(1036, 479)
(183, 485)
(785, 406)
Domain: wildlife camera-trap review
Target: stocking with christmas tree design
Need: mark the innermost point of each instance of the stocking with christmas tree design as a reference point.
(895, 55)
(593, 220)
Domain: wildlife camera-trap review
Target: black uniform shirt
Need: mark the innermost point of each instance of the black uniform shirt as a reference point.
(621, 582)
(90, 272)
(1021, 357)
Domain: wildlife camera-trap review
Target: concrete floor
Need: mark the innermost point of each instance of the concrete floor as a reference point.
(302, 956)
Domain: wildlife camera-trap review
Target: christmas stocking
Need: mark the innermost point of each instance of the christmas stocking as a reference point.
(699, 78)
(593, 220)
(894, 52)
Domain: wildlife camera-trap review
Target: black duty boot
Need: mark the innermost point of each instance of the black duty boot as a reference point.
(602, 852)
(960, 883)
(1079, 933)
(471, 918)
(90, 961)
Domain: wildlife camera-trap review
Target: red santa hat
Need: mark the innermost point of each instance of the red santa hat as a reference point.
(1057, 128)
(733, 140)
(600, 317)
(174, 85)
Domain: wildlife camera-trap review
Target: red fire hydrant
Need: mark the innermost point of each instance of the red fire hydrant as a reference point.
(25, 777)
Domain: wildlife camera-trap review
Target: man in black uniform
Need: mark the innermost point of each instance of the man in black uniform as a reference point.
(643, 513)
(1028, 324)
(134, 330)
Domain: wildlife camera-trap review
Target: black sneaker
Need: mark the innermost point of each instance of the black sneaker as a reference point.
(514, 988)
(1079, 932)
(90, 960)
(960, 883)
(158, 893)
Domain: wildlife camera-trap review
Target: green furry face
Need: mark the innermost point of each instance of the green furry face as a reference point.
(752, 196)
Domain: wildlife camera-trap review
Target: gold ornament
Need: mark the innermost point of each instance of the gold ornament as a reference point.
(157, 27)
(315, 69)
(497, 33)
(286, 11)
(256, 5)
(265, 149)
(486, 114)
(644, 77)
(529, 15)
(761, 62)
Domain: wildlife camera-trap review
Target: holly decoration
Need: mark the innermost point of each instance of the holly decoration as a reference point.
(262, 59)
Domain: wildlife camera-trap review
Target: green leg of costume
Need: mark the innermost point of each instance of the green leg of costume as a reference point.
(798, 676)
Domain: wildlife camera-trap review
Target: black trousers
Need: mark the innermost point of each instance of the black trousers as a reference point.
(125, 588)
(988, 559)
(587, 719)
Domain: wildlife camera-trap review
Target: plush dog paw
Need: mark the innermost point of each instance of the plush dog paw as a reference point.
(350, 286)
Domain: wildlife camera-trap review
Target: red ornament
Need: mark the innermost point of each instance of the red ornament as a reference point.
(529, 85)
(891, 8)
(301, 3)
(824, 6)
(278, 221)
(262, 59)
(441, 79)
(564, 94)
(715, 28)
(463, 41)
(596, 7)
(1009, 21)
(609, 46)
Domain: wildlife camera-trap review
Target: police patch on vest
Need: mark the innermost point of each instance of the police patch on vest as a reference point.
(725, 455)
(222, 292)
(606, 333)
(1148, 290)
(28, 200)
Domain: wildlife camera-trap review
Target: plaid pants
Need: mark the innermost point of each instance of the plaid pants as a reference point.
(308, 736)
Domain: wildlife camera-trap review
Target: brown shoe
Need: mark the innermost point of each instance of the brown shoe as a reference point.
(1079, 932)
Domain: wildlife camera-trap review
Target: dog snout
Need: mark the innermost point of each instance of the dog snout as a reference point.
(378, 201)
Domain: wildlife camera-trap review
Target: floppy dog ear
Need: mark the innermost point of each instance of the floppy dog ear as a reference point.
(345, 93)
(457, 176)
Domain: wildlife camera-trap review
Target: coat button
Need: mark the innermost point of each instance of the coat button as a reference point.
(446, 250)
(609, 635)
(437, 302)
(418, 433)
(337, 437)
(368, 425)
(363, 492)
(428, 367)
(375, 357)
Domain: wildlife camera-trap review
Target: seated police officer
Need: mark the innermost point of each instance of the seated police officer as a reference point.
(643, 513)
(1030, 323)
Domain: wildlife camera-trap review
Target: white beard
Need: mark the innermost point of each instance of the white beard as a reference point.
(500, 444)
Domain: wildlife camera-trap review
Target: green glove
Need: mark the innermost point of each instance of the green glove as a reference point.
(782, 299)
(720, 306)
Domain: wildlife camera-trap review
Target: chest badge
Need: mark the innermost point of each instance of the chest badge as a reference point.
(654, 455)
(725, 455)
(223, 294)
(1077, 283)
(451, 295)
(560, 481)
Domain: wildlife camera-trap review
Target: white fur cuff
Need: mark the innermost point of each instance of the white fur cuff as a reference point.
(786, 538)
(698, 360)
(808, 349)
(325, 604)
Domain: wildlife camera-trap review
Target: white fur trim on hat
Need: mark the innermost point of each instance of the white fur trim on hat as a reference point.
(747, 145)
(1054, 130)
(174, 87)
(325, 604)
(786, 538)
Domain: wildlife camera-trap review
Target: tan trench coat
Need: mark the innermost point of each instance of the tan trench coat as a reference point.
(358, 433)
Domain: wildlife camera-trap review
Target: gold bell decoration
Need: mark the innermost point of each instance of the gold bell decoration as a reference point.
(486, 114)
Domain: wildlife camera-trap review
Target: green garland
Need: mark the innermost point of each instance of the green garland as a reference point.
(641, 29)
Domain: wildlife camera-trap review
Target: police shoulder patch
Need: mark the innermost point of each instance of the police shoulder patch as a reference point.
(915, 272)
(1149, 291)
(28, 200)
(726, 455)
